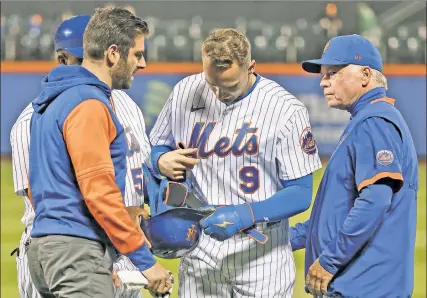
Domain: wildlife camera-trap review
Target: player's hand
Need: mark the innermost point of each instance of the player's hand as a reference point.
(318, 279)
(136, 212)
(173, 164)
(227, 221)
(159, 280)
(116, 279)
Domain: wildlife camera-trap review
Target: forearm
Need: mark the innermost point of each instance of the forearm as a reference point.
(105, 203)
(293, 199)
(298, 235)
(359, 226)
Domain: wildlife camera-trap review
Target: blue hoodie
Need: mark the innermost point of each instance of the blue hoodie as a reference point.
(78, 164)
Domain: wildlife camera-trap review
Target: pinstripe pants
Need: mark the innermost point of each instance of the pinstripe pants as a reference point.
(25, 284)
(239, 267)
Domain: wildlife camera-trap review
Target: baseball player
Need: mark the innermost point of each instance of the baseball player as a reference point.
(69, 47)
(360, 237)
(243, 143)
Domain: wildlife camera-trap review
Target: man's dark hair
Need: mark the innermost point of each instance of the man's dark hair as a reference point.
(112, 25)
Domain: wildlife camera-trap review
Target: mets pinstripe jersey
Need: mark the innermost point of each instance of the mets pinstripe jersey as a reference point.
(246, 148)
(130, 116)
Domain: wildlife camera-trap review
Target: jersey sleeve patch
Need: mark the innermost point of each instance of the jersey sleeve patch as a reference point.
(385, 157)
(307, 142)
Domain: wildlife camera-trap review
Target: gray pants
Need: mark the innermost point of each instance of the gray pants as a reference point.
(71, 267)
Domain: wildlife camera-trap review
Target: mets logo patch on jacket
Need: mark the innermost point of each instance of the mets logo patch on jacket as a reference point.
(385, 157)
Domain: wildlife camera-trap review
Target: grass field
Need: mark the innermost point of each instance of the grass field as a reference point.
(11, 229)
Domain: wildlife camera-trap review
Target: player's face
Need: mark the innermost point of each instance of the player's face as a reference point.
(230, 83)
(342, 85)
(67, 59)
(122, 72)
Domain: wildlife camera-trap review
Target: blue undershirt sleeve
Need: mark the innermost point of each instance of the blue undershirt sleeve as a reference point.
(294, 198)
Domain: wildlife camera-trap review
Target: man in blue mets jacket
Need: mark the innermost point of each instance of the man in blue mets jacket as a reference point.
(360, 237)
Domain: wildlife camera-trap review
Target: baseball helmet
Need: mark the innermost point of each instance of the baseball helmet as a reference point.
(175, 232)
(69, 35)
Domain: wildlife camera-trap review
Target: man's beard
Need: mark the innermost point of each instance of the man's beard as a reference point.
(121, 75)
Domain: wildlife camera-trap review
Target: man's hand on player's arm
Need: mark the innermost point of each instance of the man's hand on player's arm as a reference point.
(173, 164)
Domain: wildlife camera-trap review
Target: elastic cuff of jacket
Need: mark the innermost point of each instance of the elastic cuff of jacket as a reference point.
(293, 234)
(246, 215)
(155, 160)
(328, 267)
(142, 258)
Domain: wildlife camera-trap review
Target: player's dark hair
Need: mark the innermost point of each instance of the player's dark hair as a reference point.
(112, 26)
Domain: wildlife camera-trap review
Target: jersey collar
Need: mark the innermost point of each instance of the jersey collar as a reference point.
(366, 99)
(258, 78)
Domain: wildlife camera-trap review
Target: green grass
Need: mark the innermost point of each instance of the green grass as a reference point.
(11, 229)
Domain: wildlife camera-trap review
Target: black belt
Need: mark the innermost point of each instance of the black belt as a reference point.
(266, 225)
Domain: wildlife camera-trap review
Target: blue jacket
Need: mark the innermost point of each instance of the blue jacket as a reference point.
(362, 234)
(78, 164)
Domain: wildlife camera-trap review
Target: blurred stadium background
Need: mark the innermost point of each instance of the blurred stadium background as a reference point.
(279, 31)
(282, 34)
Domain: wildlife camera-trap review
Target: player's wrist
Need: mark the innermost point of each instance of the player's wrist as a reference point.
(245, 214)
(327, 265)
(156, 154)
(293, 233)
(156, 165)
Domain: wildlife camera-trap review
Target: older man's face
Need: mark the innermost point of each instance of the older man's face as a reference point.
(342, 85)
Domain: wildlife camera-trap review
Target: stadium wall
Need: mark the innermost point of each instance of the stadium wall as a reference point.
(20, 83)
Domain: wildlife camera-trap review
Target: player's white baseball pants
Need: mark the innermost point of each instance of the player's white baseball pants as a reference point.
(25, 285)
(240, 267)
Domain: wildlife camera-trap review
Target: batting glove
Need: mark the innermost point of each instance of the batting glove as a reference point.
(227, 221)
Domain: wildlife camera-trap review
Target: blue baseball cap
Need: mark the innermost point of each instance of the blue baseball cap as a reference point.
(347, 49)
(69, 35)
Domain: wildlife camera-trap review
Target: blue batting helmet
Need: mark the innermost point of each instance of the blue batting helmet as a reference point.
(69, 35)
(175, 232)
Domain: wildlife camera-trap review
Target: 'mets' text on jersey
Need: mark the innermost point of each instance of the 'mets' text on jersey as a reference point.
(245, 147)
